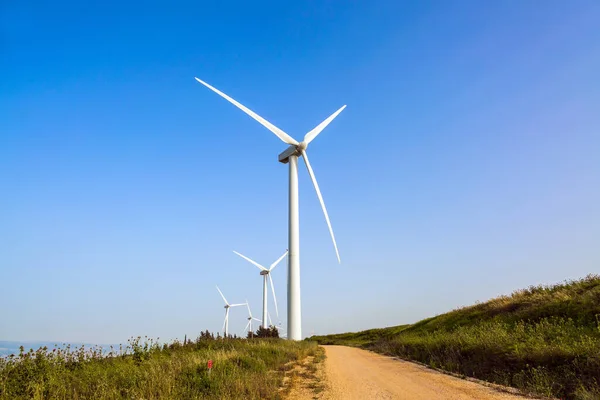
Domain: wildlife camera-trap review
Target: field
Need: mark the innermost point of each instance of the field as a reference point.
(544, 340)
(248, 369)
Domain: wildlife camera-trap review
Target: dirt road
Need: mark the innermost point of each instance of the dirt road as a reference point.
(352, 373)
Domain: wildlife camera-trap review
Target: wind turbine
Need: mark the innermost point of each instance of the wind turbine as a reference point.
(281, 335)
(290, 156)
(250, 319)
(278, 327)
(265, 272)
(227, 307)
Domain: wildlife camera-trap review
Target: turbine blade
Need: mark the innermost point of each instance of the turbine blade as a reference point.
(246, 328)
(256, 319)
(313, 134)
(278, 132)
(221, 293)
(274, 298)
(314, 181)
(249, 312)
(278, 260)
(251, 261)
(237, 305)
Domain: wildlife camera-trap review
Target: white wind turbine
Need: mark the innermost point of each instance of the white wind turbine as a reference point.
(265, 272)
(290, 155)
(278, 327)
(227, 307)
(250, 319)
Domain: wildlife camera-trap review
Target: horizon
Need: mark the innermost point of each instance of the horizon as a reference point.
(104, 346)
(464, 167)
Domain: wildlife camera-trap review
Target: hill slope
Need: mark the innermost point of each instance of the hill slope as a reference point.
(543, 340)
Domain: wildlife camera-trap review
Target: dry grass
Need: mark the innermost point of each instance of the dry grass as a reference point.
(306, 379)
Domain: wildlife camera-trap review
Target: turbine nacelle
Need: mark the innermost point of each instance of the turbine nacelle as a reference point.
(290, 151)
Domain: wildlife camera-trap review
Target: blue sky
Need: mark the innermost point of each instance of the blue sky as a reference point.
(465, 165)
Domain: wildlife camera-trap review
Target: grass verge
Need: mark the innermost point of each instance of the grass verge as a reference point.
(248, 369)
(307, 378)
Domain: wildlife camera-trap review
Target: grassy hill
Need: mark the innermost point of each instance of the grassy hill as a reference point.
(543, 340)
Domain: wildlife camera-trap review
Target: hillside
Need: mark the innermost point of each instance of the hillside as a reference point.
(544, 340)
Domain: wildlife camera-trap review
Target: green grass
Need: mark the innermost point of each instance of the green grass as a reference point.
(248, 369)
(544, 340)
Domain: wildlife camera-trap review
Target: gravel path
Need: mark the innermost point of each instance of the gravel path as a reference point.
(352, 373)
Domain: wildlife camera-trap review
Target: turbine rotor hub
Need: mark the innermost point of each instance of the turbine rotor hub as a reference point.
(302, 146)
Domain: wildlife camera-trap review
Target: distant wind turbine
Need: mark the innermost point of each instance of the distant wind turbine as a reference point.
(290, 156)
(265, 272)
(250, 319)
(227, 307)
(278, 327)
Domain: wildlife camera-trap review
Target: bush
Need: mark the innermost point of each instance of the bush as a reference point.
(270, 332)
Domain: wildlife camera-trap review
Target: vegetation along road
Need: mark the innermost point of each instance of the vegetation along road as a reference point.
(352, 373)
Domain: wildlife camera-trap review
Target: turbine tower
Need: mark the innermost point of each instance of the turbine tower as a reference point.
(265, 272)
(227, 307)
(290, 156)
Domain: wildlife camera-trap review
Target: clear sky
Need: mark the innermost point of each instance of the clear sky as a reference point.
(466, 165)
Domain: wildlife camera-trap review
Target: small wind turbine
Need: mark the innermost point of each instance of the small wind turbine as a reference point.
(282, 335)
(265, 272)
(250, 319)
(290, 155)
(227, 307)
(278, 327)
